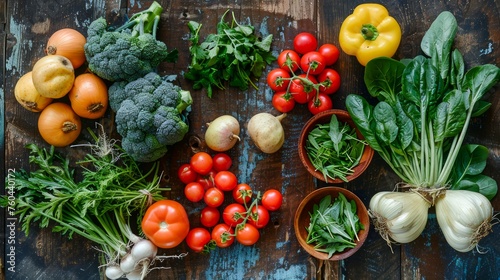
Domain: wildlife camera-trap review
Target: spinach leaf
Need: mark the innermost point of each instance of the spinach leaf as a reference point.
(405, 125)
(457, 69)
(362, 114)
(385, 123)
(383, 78)
(480, 80)
(438, 40)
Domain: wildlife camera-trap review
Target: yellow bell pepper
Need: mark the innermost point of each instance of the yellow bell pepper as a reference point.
(370, 32)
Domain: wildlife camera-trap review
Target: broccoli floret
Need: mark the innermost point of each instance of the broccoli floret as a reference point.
(129, 52)
(151, 114)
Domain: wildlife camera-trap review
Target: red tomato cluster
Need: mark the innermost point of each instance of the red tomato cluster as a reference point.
(210, 180)
(304, 75)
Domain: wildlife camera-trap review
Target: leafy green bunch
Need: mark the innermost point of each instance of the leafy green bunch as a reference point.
(234, 54)
(424, 108)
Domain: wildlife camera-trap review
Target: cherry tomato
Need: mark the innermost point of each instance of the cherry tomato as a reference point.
(277, 79)
(330, 52)
(259, 216)
(331, 80)
(233, 214)
(312, 63)
(305, 42)
(213, 197)
(289, 60)
(301, 92)
(223, 235)
(320, 104)
(242, 193)
(272, 199)
(247, 235)
(225, 180)
(202, 163)
(197, 239)
(206, 181)
(283, 101)
(165, 223)
(209, 216)
(222, 162)
(194, 191)
(186, 174)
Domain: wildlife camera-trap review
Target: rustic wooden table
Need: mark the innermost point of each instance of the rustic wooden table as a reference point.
(26, 26)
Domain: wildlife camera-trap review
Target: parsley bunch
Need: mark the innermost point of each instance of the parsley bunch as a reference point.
(232, 55)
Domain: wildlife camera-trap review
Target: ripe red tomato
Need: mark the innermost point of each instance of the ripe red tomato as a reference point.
(331, 80)
(194, 191)
(277, 79)
(186, 174)
(222, 162)
(305, 42)
(301, 92)
(312, 63)
(233, 214)
(209, 216)
(206, 181)
(202, 163)
(225, 180)
(320, 104)
(197, 239)
(242, 193)
(272, 199)
(165, 223)
(213, 197)
(289, 60)
(330, 52)
(259, 216)
(283, 101)
(223, 235)
(247, 235)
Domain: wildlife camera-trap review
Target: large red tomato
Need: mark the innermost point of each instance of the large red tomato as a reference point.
(166, 223)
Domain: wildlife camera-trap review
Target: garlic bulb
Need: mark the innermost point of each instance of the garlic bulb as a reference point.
(399, 216)
(464, 217)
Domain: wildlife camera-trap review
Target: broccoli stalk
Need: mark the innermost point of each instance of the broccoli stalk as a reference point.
(144, 22)
(129, 51)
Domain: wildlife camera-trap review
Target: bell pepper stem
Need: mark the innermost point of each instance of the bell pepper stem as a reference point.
(369, 32)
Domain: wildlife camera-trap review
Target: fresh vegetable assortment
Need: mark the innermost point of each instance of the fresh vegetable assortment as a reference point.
(99, 206)
(240, 219)
(304, 75)
(418, 127)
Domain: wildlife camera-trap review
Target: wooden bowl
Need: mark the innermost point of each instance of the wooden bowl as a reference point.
(322, 118)
(302, 220)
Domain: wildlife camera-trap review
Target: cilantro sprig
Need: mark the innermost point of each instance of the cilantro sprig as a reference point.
(233, 55)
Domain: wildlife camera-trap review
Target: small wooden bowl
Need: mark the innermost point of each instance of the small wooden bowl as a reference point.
(302, 220)
(322, 118)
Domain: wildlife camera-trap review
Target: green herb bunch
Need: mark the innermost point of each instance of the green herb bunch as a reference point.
(334, 149)
(234, 54)
(334, 225)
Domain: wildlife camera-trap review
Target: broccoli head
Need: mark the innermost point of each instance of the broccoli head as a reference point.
(128, 52)
(151, 114)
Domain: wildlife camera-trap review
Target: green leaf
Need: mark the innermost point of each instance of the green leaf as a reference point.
(383, 78)
(438, 40)
(386, 127)
(361, 113)
(480, 80)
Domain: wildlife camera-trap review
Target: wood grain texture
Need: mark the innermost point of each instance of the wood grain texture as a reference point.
(47, 255)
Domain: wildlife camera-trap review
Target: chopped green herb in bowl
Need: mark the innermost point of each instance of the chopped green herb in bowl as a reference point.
(331, 148)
